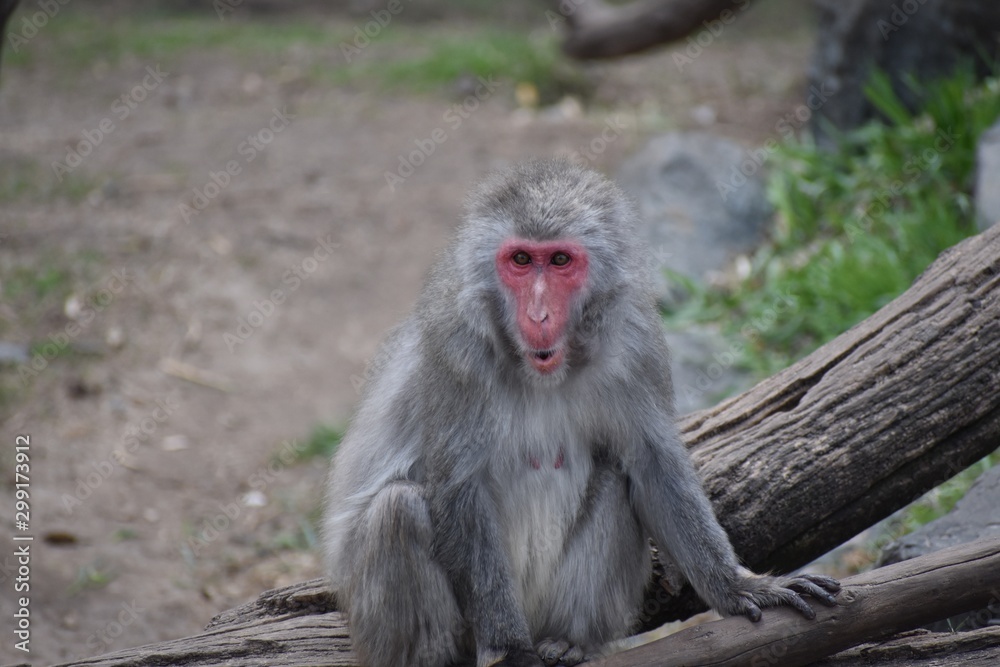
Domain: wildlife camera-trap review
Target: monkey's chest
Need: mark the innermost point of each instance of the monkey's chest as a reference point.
(542, 498)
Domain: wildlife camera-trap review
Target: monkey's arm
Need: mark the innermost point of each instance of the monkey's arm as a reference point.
(472, 553)
(669, 499)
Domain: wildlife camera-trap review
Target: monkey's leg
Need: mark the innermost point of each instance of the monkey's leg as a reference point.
(402, 611)
(598, 589)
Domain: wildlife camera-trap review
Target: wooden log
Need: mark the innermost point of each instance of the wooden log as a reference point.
(601, 30)
(299, 625)
(920, 648)
(872, 606)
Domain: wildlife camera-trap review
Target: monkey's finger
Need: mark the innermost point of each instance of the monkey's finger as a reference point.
(809, 588)
(826, 583)
(574, 656)
(551, 651)
(798, 602)
(751, 610)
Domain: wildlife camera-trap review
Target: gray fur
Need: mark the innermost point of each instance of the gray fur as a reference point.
(441, 539)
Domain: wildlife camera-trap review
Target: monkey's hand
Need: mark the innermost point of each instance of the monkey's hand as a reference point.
(755, 592)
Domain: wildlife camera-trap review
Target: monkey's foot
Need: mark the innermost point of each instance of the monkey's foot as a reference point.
(557, 652)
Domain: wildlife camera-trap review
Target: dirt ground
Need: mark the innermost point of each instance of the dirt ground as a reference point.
(198, 351)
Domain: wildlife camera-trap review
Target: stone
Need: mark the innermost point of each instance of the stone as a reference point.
(698, 209)
(973, 517)
(988, 178)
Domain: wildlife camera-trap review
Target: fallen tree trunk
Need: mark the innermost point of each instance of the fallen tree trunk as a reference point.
(872, 606)
(795, 466)
(299, 625)
(600, 30)
(977, 648)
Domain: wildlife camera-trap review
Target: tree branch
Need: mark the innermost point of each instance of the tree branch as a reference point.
(872, 606)
(600, 30)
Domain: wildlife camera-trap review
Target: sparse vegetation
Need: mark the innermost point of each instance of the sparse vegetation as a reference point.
(496, 54)
(854, 225)
(33, 181)
(86, 37)
(89, 577)
(322, 442)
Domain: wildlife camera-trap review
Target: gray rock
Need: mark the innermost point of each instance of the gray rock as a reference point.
(703, 369)
(13, 353)
(698, 208)
(988, 178)
(974, 516)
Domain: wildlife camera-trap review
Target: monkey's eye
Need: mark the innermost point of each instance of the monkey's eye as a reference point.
(560, 259)
(521, 258)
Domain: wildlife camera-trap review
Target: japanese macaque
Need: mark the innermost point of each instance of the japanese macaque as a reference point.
(516, 447)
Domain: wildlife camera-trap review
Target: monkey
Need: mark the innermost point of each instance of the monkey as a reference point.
(515, 448)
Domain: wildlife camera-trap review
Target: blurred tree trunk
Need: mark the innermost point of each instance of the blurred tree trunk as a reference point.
(922, 39)
(599, 30)
(7, 8)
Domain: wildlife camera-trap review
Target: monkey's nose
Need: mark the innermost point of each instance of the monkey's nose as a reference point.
(538, 316)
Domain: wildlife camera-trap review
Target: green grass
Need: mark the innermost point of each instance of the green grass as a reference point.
(33, 181)
(400, 56)
(491, 53)
(46, 282)
(322, 443)
(91, 576)
(36, 282)
(80, 39)
(855, 226)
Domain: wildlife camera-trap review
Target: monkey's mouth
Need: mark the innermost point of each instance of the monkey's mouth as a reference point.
(545, 361)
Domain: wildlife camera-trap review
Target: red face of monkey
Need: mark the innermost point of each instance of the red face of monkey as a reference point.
(543, 276)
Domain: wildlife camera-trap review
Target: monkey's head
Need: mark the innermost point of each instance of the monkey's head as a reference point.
(544, 243)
